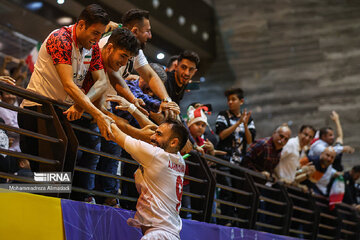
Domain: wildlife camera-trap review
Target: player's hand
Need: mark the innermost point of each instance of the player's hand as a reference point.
(146, 132)
(74, 112)
(104, 123)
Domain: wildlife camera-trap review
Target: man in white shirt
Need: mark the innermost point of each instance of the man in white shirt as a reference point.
(159, 179)
(292, 152)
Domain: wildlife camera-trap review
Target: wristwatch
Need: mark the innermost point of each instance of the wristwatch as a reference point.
(167, 99)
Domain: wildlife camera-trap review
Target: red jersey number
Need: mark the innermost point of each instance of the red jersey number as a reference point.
(179, 191)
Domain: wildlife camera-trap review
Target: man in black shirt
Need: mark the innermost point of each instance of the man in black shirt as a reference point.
(178, 79)
(350, 177)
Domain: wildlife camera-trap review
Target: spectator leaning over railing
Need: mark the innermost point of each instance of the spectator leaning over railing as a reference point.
(177, 80)
(327, 138)
(137, 21)
(292, 152)
(264, 154)
(65, 57)
(121, 45)
(319, 180)
(141, 89)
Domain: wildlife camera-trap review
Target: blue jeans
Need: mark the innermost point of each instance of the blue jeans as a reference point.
(85, 159)
(186, 202)
(108, 165)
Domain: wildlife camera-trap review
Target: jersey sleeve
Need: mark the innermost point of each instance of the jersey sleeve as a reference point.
(59, 47)
(142, 152)
(96, 60)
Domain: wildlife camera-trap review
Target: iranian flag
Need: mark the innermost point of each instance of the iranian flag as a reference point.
(336, 192)
(31, 58)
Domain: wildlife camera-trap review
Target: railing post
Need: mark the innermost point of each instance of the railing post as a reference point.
(208, 191)
(255, 202)
(72, 147)
(288, 213)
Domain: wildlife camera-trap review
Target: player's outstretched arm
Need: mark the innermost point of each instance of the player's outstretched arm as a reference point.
(118, 135)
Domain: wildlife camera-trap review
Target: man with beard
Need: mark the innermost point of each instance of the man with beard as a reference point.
(159, 179)
(321, 177)
(64, 58)
(137, 21)
(188, 63)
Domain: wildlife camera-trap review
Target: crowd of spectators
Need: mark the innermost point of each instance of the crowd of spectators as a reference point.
(311, 160)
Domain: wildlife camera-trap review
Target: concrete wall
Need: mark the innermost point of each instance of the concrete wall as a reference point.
(296, 60)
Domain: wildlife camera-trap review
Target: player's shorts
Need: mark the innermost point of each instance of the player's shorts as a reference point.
(159, 235)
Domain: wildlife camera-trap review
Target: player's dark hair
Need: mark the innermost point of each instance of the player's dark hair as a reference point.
(178, 131)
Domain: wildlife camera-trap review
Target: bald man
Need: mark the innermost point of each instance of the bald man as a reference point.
(319, 180)
(264, 154)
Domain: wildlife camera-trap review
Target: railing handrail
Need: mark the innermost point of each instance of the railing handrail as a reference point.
(248, 176)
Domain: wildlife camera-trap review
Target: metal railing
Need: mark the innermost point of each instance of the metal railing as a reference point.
(254, 201)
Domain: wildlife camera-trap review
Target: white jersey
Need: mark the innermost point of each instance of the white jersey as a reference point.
(63, 48)
(159, 181)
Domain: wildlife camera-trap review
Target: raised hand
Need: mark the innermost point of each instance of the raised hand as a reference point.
(334, 116)
(245, 116)
(147, 132)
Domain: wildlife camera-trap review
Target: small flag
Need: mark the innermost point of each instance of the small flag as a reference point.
(32, 57)
(336, 192)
